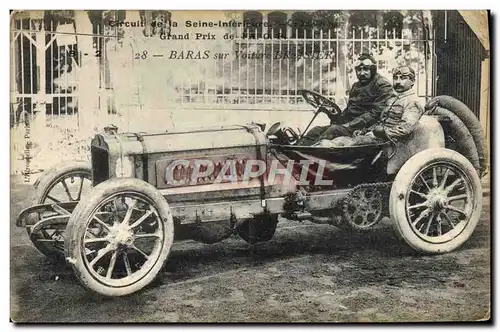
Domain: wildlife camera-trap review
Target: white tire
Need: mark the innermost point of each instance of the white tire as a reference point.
(423, 201)
(122, 222)
(48, 240)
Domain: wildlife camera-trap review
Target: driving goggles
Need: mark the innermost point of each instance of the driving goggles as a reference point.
(404, 71)
(365, 62)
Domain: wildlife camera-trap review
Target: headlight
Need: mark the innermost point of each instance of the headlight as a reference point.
(125, 167)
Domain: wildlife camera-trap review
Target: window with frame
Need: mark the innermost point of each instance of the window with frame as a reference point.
(252, 25)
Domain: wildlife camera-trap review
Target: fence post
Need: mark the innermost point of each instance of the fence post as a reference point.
(13, 67)
(39, 118)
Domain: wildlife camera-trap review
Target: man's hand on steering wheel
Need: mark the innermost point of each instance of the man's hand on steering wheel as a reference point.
(330, 112)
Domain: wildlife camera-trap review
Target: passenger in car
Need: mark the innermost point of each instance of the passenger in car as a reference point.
(400, 118)
(367, 99)
(396, 122)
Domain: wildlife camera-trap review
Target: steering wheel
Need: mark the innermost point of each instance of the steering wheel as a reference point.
(317, 101)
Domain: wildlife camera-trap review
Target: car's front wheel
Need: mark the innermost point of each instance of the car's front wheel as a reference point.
(119, 236)
(67, 182)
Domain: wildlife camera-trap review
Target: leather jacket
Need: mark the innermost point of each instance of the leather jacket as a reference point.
(366, 102)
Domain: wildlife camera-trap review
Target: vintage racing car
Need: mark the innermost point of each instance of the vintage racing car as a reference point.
(114, 221)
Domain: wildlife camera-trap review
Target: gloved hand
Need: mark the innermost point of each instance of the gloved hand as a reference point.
(330, 113)
(356, 123)
(379, 132)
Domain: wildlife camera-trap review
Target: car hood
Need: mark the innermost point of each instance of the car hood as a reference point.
(181, 140)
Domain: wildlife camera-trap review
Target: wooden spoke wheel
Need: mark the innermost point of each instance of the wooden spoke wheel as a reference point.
(436, 201)
(67, 182)
(119, 236)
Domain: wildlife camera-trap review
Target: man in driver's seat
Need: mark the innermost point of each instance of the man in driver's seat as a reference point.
(367, 99)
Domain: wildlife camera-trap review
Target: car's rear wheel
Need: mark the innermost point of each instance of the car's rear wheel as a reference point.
(119, 237)
(435, 201)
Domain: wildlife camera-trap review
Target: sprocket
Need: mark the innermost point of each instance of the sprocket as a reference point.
(365, 206)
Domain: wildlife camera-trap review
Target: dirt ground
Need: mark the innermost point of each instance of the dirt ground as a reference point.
(307, 273)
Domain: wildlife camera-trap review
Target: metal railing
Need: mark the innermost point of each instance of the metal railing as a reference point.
(258, 74)
(264, 73)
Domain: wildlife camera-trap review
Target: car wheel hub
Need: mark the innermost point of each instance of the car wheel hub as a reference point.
(437, 200)
(121, 236)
